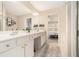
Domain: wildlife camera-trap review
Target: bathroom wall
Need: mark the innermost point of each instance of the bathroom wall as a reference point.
(39, 19)
(73, 29)
(21, 22)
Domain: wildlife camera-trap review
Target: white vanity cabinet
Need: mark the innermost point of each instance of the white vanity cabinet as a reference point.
(26, 43)
(18, 47)
(7, 48)
(22, 46)
(29, 46)
(15, 52)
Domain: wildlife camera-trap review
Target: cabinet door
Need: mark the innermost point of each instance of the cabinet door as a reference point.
(29, 48)
(16, 52)
(20, 51)
(43, 38)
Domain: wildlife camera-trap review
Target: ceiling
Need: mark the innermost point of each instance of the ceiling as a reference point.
(45, 5)
(22, 8)
(16, 8)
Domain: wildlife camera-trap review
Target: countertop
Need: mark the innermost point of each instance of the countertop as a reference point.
(7, 35)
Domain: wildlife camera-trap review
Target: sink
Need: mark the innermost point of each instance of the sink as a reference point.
(14, 33)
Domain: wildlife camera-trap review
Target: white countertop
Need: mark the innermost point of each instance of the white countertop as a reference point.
(6, 35)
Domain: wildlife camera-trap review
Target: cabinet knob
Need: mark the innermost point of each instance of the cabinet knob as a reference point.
(7, 45)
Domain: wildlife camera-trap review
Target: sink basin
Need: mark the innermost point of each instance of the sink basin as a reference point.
(14, 33)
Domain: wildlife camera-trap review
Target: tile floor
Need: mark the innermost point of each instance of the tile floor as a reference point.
(50, 49)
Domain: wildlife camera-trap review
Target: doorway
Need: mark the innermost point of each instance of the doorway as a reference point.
(53, 27)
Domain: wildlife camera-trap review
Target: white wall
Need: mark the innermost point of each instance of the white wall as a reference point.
(71, 19)
(63, 31)
(68, 26)
(40, 19)
(21, 22)
(73, 28)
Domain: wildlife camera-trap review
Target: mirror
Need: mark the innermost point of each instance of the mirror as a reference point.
(13, 16)
(29, 24)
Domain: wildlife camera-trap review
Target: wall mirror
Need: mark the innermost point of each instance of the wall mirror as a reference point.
(12, 16)
(29, 24)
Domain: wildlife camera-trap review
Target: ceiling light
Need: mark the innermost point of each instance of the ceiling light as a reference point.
(35, 14)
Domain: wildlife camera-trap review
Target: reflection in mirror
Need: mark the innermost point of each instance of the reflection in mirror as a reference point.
(29, 24)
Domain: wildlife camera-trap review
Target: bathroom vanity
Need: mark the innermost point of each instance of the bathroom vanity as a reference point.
(20, 44)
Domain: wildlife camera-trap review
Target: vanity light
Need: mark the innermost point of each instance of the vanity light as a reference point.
(35, 14)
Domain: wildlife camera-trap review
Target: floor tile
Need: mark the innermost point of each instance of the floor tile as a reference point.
(50, 49)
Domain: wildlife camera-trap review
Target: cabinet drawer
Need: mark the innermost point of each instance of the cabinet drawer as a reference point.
(22, 40)
(6, 45)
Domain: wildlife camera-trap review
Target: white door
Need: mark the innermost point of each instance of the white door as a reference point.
(16, 52)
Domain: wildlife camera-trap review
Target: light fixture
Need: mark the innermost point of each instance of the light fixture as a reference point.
(35, 14)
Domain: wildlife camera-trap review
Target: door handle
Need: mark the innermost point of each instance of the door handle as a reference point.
(7, 45)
